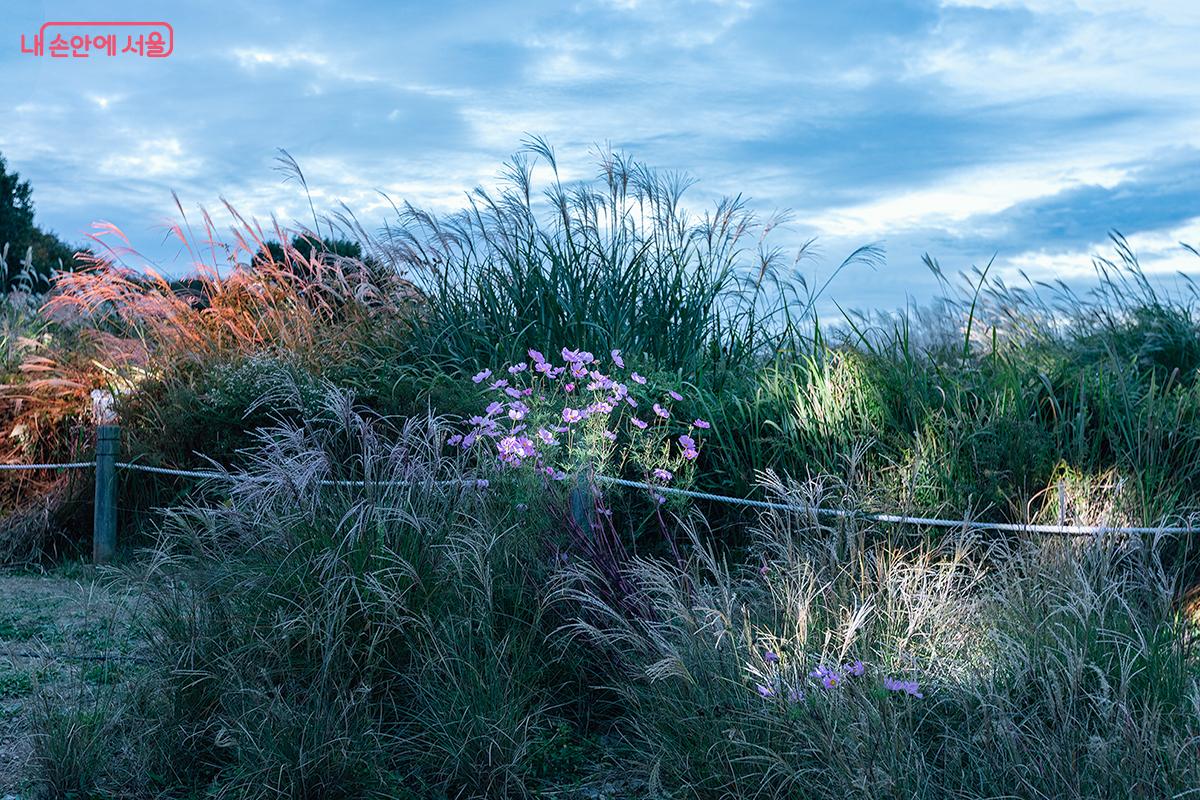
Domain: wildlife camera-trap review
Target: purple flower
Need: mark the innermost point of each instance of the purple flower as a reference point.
(500, 384)
(481, 483)
(855, 668)
(638, 423)
(537, 357)
(663, 474)
(482, 376)
(515, 368)
(568, 387)
(632, 403)
(829, 678)
(578, 370)
(514, 448)
(546, 436)
(763, 690)
(571, 416)
(662, 412)
(511, 392)
(687, 442)
(770, 657)
(517, 410)
(676, 396)
(699, 423)
(908, 687)
(610, 435)
(691, 453)
(616, 357)
(570, 356)
(546, 368)
(494, 408)
(795, 695)
(455, 439)
(637, 378)
(469, 440)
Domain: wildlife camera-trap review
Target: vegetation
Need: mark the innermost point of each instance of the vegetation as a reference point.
(29, 254)
(413, 582)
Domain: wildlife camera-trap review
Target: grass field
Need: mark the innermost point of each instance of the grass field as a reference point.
(408, 585)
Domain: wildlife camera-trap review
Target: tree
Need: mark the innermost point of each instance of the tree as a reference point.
(18, 231)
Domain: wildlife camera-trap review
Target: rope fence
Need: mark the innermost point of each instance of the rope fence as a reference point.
(106, 465)
(30, 467)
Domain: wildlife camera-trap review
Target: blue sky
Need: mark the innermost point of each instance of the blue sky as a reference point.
(1023, 129)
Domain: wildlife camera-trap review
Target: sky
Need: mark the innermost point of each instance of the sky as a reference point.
(1013, 131)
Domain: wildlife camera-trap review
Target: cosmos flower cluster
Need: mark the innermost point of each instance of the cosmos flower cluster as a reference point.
(579, 411)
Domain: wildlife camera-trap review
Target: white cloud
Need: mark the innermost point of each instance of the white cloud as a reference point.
(974, 192)
(152, 158)
(1159, 253)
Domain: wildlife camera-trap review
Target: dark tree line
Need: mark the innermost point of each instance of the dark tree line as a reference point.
(44, 251)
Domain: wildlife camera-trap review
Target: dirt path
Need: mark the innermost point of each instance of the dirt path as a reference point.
(43, 618)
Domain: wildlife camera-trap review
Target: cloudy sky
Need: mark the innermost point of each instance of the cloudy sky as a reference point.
(1019, 129)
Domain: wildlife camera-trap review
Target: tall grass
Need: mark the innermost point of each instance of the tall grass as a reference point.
(410, 633)
(310, 640)
(611, 262)
(1046, 669)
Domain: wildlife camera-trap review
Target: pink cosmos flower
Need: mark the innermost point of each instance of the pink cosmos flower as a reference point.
(699, 423)
(515, 368)
(571, 416)
(514, 448)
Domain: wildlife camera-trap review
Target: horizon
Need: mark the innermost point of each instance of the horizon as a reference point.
(1019, 130)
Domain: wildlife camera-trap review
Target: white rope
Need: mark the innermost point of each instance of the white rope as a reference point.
(897, 519)
(216, 475)
(1017, 527)
(71, 465)
(182, 473)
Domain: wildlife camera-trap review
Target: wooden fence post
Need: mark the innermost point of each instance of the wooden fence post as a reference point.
(104, 523)
(583, 504)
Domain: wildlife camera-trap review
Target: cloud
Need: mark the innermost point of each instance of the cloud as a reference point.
(1023, 129)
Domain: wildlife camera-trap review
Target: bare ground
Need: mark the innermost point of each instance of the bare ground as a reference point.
(55, 629)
